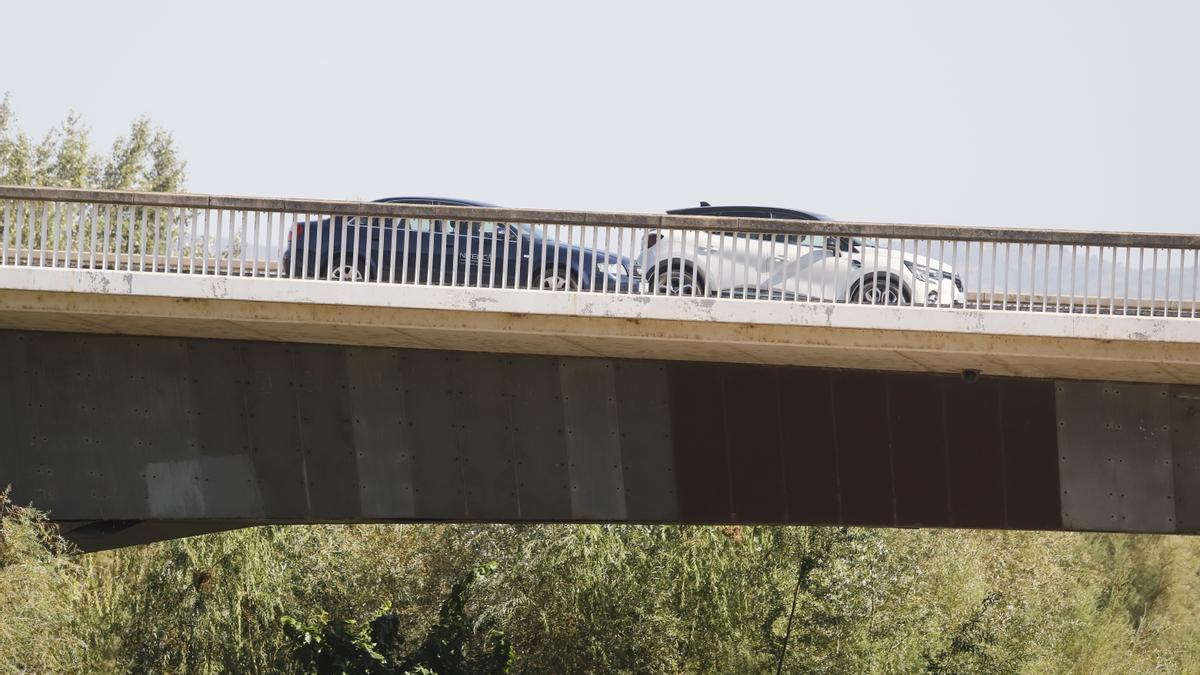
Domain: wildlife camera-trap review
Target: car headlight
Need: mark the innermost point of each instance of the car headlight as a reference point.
(927, 273)
(615, 268)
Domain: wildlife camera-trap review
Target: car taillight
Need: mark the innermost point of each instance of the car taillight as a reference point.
(651, 239)
(297, 229)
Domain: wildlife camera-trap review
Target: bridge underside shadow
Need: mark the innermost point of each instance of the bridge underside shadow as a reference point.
(131, 439)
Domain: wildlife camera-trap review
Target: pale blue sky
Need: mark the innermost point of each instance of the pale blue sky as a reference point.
(1047, 114)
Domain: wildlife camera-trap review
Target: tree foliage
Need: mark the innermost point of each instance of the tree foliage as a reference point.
(602, 598)
(145, 159)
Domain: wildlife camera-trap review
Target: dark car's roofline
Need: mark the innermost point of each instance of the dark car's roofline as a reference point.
(440, 201)
(767, 211)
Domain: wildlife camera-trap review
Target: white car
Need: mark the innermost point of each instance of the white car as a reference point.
(778, 266)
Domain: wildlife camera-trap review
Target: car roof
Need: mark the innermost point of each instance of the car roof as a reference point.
(749, 212)
(436, 201)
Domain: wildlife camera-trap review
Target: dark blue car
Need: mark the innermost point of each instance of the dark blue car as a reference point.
(426, 251)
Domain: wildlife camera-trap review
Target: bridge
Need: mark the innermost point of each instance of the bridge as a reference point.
(176, 364)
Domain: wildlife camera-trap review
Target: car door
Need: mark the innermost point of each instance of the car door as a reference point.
(736, 262)
(818, 268)
(482, 251)
(420, 258)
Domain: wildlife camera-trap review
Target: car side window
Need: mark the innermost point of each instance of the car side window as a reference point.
(488, 229)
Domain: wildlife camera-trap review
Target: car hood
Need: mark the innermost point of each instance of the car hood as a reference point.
(868, 255)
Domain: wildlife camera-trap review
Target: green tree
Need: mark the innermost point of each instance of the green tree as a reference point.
(145, 160)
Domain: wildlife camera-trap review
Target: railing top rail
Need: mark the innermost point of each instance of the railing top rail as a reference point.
(596, 218)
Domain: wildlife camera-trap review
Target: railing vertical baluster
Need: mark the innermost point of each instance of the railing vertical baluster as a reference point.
(1195, 278)
(1179, 307)
(327, 240)
(1112, 285)
(505, 254)
(1033, 254)
(1154, 281)
(34, 209)
(1087, 268)
(354, 270)
(156, 238)
(62, 221)
(497, 254)
(527, 241)
(1167, 286)
(424, 251)
(147, 217)
(966, 271)
(554, 255)
(1020, 275)
(541, 281)
(1058, 281)
(1074, 257)
(663, 270)
(281, 243)
(373, 264)
(412, 249)
(293, 244)
(979, 278)
(60, 209)
(446, 227)
(8, 204)
(30, 233)
(992, 288)
(1125, 286)
(458, 234)
(1140, 277)
(219, 242)
(131, 234)
(105, 237)
(812, 260)
(793, 256)
(254, 254)
(1007, 261)
(42, 244)
(192, 240)
(91, 248)
(395, 228)
(183, 222)
(1033, 275)
(303, 233)
(76, 214)
(20, 227)
(336, 223)
(242, 246)
(591, 273)
(942, 273)
(370, 233)
(725, 275)
(120, 239)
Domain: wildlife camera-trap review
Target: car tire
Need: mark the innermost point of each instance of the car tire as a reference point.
(679, 281)
(347, 272)
(878, 290)
(560, 280)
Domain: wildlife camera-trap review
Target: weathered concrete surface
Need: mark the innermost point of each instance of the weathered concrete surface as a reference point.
(1136, 349)
(127, 439)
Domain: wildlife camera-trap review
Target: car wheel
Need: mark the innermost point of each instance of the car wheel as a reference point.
(559, 280)
(346, 273)
(677, 281)
(877, 291)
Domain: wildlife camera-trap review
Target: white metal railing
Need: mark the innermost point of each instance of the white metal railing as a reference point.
(559, 251)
